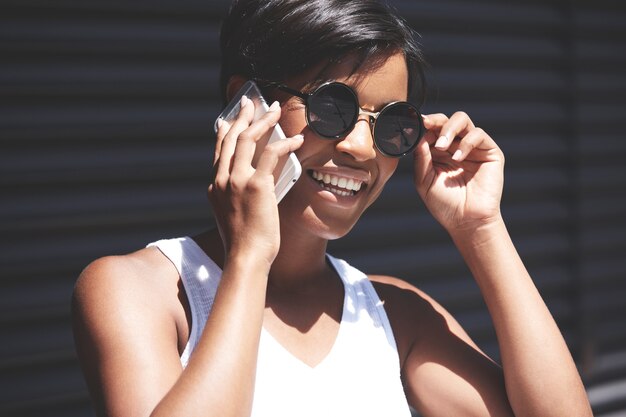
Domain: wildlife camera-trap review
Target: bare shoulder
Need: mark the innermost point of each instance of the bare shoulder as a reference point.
(399, 294)
(143, 285)
(396, 287)
(127, 317)
(440, 362)
(112, 280)
(414, 315)
(135, 264)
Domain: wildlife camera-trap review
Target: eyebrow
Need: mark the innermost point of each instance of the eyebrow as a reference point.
(323, 75)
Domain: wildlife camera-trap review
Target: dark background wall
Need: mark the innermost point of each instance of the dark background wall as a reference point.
(105, 140)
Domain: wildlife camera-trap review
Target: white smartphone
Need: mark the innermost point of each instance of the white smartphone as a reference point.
(284, 178)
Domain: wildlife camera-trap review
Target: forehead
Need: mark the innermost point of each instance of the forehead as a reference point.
(378, 82)
(388, 81)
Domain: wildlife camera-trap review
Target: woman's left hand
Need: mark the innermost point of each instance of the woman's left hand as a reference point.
(459, 172)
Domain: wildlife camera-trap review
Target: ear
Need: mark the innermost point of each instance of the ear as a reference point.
(234, 84)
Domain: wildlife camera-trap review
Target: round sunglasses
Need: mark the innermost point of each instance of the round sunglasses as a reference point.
(332, 110)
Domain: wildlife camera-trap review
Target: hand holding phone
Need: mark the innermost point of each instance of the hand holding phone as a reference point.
(291, 168)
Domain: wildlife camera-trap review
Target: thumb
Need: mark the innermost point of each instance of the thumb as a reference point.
(422, 164)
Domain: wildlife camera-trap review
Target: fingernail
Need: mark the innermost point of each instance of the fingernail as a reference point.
(244, 101)
(299, 136)
(220, 123)
(275, 105)
(457, 155)
(441, 142)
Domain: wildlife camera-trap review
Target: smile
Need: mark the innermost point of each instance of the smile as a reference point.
(338, 185)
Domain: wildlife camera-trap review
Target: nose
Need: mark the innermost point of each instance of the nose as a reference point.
(359, 142)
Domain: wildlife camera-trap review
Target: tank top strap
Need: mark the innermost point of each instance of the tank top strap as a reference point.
(200, 277)
(364, 298)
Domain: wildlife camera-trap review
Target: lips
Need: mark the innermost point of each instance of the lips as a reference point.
(337, 184)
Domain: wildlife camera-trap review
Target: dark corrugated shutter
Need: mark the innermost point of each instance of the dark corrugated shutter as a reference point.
(599, 60)
(105, 137)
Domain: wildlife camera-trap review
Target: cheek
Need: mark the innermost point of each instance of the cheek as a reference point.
(387, 166)
(314, 148)
(294, 123)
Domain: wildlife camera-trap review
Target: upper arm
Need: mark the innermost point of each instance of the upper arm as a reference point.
(125, 338)
(444, 372)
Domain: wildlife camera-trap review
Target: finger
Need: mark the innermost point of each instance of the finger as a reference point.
(274, 151)
(457, 126)
(227, 149)
(476, 138)
(222, 128)
(227, 130)
(423, 164)
(433, 123)
(259, 131)
(434, 120)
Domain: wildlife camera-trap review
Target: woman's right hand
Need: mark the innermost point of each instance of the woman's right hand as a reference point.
(242, 196)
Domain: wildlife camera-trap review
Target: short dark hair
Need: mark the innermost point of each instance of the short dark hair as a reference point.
(275, 39)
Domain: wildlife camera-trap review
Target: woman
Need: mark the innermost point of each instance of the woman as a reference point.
(254, 318)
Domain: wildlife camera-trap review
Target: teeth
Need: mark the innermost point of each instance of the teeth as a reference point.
(345, 186)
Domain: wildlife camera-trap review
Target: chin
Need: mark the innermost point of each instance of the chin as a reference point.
(298, 218)
(334, 233)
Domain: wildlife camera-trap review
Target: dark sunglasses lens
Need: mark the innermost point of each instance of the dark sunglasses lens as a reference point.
(332, 110)
(398, 129)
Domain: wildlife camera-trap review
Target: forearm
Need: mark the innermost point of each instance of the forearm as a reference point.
(540, 375)
(219, 379)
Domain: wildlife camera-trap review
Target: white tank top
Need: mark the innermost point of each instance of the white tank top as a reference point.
(360, 376)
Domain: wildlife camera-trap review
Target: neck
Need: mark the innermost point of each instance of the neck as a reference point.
(299, 265)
